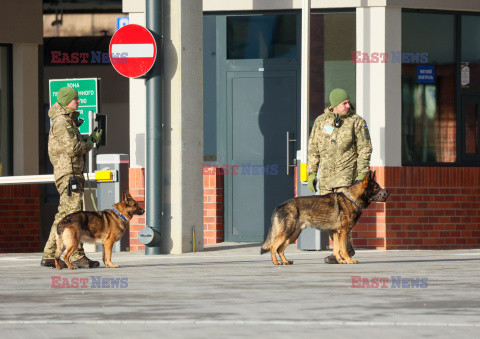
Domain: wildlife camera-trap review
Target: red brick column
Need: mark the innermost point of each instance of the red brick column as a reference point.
(212, 205)
(136, 179)
(20, 227)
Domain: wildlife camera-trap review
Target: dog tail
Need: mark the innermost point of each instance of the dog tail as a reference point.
(59, 228)
(266, 246)
(61, 224)
(277, 219)
(65, 220)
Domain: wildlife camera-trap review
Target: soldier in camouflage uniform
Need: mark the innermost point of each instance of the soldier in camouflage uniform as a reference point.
(67, 151)
(339, 150)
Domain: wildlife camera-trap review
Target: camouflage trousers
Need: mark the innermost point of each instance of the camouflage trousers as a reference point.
(68, 204)
(324, 191)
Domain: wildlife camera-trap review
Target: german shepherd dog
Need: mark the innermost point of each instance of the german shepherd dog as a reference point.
(102, 227)
(337, 212)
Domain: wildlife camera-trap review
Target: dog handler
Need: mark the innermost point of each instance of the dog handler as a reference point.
(339, 149)
(67, 151)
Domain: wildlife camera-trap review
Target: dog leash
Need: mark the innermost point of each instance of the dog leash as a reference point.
(91, 194)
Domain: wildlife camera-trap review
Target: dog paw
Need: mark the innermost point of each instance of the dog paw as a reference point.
(112, 266)
(288, 262)
(351, 261)
(72, 268)
(277, 263)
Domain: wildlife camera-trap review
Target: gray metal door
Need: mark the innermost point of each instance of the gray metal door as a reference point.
(261, 109)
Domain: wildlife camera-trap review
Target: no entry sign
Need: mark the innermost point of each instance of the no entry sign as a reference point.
(133, 51)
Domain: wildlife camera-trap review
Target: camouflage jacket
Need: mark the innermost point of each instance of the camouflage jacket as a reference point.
(65, 145)
(339, 152)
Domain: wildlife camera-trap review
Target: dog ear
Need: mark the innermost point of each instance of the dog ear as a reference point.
(126, 195)
(372, 176)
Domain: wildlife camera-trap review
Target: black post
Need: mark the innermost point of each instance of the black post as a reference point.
(154, 173)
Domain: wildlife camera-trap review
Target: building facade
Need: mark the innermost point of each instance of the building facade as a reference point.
(410, 71)
(19, 123)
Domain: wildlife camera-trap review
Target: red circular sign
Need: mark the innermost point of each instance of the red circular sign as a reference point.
(133, 50)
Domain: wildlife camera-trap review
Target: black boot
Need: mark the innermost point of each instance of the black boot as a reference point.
(331, 260)
(84, 262)
(51, 263)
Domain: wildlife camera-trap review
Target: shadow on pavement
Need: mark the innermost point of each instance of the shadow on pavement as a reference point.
(425, 260)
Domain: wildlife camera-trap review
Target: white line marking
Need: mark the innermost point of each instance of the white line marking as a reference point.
(239, 322)
(132, 50)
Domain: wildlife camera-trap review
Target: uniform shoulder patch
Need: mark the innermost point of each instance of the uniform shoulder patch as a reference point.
(70, 131)
(367, 133)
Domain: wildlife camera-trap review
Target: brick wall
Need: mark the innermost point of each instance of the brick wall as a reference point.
(136, 184)
(20, 218)
(428, 208)
(212, 205)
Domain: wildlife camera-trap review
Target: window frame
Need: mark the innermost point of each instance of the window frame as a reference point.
(9, 124)
(459, 92)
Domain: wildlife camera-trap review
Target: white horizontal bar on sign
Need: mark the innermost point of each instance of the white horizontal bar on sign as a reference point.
(132, 50)
(34, 179)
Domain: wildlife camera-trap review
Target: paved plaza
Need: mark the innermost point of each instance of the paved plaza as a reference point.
(231, 291)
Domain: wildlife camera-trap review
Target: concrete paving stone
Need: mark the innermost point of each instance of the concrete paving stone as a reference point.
(231, 291)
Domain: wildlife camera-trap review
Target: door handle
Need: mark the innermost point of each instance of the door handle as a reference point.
(288, 153)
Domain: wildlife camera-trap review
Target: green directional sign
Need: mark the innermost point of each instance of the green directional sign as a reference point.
(87, 93)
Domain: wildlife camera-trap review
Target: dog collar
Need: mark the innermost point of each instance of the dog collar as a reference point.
(352, 200)
(120, 214)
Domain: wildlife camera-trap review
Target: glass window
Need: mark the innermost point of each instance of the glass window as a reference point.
(5, 111)
(332, 40)
(470, 51)
(428, 101)
(471, 128)
(262, 37)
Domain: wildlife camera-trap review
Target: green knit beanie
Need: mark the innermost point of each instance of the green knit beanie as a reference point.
(337, 96)
(65, 95)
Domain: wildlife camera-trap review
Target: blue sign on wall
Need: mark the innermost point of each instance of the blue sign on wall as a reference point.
(121, 21)
(425, 74)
